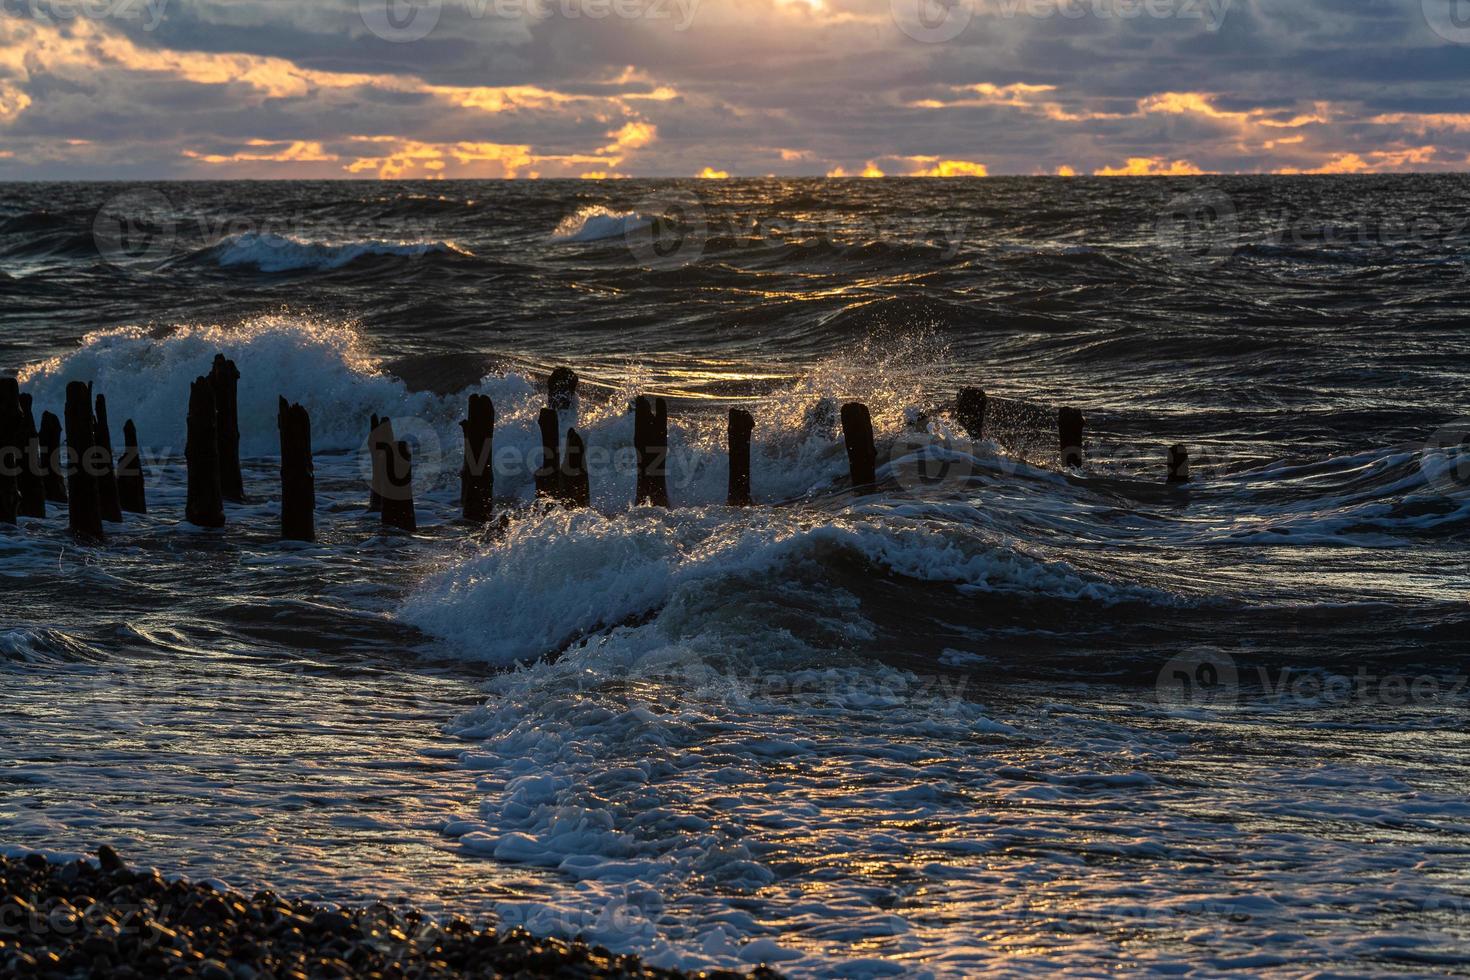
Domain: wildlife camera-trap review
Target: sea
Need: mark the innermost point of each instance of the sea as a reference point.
(991, 715)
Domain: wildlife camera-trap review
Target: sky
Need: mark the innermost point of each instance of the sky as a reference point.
(206, 89)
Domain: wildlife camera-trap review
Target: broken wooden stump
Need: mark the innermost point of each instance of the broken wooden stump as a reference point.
(398, 509)
(969, 411)
(84, 516)
(205, 506)
(741, 426)
(651, 440)
(12, 449)
(31, 484)
(857, 435)
(576, 487)
(107, 496)
(130, 475)
(1069, 432)
(380, 434)
(477, 479)
(561, 389)
(1179, 463)
(53, 462)
(298, 475)
(224, 378)
(548, 470)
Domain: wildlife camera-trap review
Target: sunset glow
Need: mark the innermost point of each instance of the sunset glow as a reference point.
(783, 87)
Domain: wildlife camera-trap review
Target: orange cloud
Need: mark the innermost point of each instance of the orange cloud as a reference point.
(710, 173)
(1066, 171)
(948, 168)
(1151, 167)
(632, 136)
(1379, 161)
(297, 152)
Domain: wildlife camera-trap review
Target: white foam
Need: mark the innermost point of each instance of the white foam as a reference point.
(283, 253)
(596, 223)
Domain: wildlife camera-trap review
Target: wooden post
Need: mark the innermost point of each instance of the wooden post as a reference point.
(651, 439)
(107, 498)
(379, 435)
(12, 449)
(81, 430)
(53, 465)
(1179, 463)
(398, 508)
(741, 426)
(576, 488)
(561, 389)
(1069, 431)
(298, 476)
(224, 377)
(548, 474)
(857, 434)
(969, 411)
(31, 486)
(130, 473)
(477, 479)
(205, 506)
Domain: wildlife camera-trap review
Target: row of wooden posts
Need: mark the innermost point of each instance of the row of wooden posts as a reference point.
(96, 489)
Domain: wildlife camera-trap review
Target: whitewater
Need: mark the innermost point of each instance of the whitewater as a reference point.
(933, 730)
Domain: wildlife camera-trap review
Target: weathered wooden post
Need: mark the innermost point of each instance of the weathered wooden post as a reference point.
(576, 487)
(398, 510)
(857, 434)
(548, 473)
(205, 506)
(130, 493)
(477, 479)
(30, 485)
(969, 411)
(224, 377)
(53, 465)
(741, 426)
(81, 429)
(107, 498)
(12, 449)
(380, 434)
(561, 389)
(1069, 431)
(1179, 463)
(298, 475)
(651, 439)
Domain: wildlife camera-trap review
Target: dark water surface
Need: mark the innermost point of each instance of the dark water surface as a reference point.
(997, 715)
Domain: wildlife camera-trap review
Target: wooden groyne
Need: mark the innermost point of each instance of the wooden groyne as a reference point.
(98, 486)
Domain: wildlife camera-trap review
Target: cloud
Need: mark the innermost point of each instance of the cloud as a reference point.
(1150, 167)
(262, 88)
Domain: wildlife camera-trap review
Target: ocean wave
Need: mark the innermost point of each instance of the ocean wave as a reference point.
(277, 253)
(596, 223)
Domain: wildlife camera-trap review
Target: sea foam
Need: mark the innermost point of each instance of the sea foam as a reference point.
(595, 223)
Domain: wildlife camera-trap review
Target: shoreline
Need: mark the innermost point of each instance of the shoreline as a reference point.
(101, 918)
